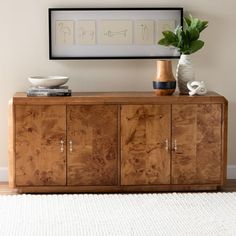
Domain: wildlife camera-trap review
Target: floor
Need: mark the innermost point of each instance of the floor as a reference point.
(229, 187)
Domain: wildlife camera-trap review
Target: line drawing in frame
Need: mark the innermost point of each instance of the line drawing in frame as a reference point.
(144, 32)
(86, 32)
(67, 44)
(117, 32)
(65, 32)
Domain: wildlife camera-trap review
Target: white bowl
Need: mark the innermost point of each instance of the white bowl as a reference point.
(47, 81)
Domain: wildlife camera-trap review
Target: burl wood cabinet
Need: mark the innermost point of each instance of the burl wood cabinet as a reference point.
(145, 137)
(92, 135)
(117, 142)
(39, 158)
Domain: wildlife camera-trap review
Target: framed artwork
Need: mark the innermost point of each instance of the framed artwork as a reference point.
(111, 33)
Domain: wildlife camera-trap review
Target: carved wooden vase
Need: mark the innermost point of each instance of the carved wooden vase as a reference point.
(165, 82)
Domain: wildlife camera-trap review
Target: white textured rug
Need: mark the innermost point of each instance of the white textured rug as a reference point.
(130, 214)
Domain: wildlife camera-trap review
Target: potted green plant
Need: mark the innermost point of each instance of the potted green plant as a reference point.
(186, 40)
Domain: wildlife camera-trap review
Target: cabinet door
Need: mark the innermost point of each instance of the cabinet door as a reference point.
(40, 153)
(92, 139)
(145, 136)
(196, 133)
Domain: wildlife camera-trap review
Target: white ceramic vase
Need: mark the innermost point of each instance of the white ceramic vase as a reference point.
(184, 73)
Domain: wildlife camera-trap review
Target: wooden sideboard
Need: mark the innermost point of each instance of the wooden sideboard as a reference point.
(117, 142)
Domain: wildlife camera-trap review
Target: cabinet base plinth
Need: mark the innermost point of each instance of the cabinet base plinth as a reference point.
(115, 189)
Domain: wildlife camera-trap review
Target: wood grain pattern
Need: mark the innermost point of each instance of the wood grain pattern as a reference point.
(144, 130)
(82, 98)
(197, 131)
(94, 134)
(119, 145)
(224, 139)
(39, 160)
(199, 127)
(115, 189)
(230, 186)
(11, 144)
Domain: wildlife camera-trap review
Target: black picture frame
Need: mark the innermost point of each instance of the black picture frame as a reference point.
(67, 49)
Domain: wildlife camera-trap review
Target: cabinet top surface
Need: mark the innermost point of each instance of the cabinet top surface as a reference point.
(118, 97)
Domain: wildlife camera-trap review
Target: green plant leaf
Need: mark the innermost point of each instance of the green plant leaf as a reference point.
(202, 25)
(187, 21)
(193, 34)
(185, 39)
(178, 33)
(195, 46)
(194, 23)
(164, 42)
(170, 36)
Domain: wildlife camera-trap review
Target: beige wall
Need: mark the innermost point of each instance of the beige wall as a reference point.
(24, 52)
